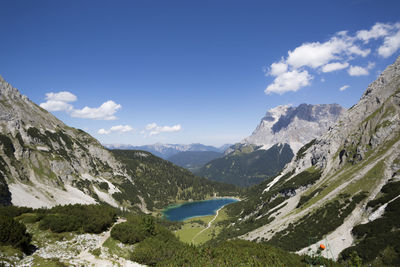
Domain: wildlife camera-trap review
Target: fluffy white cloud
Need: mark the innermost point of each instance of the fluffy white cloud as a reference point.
(289, 81)
(334, 66)
(278, 68)
(357, 71)
(293, 72)
(61, 96)
(117, 128)
(344, 87)
(61, 102)
(312, 54)
(390, 34)
(103, 131)
(105, 112)
(51, 105)
(360, 71)
(390, 45)
(317, 54)
(377, 31)
(58, 101)
(154, 129)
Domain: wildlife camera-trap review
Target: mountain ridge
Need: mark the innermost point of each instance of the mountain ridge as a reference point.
(167, 150)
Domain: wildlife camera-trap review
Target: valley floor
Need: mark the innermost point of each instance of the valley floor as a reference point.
(199, 230)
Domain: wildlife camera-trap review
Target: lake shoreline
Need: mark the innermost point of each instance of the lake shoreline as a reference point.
(211, 212)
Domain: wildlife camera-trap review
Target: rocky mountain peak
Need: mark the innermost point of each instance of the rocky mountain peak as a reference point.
(294, 125)
(6, 90)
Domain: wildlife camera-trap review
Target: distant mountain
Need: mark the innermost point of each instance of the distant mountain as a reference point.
(247, 165)
(194, 160)
(167, 150)
(295, 126)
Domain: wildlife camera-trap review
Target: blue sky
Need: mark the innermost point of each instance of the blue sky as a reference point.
(141, 72)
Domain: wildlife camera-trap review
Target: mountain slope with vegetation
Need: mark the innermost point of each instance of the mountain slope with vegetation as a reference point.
(340, 190)
(163, 182)
(247, 165)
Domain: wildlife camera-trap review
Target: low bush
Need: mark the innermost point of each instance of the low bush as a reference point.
(14, 233)
(83, 218)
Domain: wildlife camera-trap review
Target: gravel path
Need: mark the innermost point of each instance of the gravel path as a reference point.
(208, 226)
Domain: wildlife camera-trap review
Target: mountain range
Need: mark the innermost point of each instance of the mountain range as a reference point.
(44, 162)
(167, 150)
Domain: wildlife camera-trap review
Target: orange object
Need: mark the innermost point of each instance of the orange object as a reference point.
(322, 247)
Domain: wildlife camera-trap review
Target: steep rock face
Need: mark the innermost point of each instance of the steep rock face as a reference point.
(295, 126)
(44, 161)
(334, 183)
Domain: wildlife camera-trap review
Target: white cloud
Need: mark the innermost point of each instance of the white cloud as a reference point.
(360, 71)
(371, 65)
(344, 87)
(334, 66)
(312, 54)
(61, 96)
(58, 101)
(357, 71)
(278, 68)
(118, 128)
(317, 54)
(390, 45)
(294, 71)
(103, 131)
(154, 129)
(61, 102)
(105, 112)
(377, 31)
(390, 34)
(289, 81)
(52, 105)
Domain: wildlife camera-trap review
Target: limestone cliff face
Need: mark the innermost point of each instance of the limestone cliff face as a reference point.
(324, 191)
(295, 126)
(45, 162)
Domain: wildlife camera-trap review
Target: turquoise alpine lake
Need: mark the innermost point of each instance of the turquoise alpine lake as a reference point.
(196, 208)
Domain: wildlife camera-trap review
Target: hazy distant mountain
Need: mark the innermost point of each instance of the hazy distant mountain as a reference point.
(167, 150)
(194, 160)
